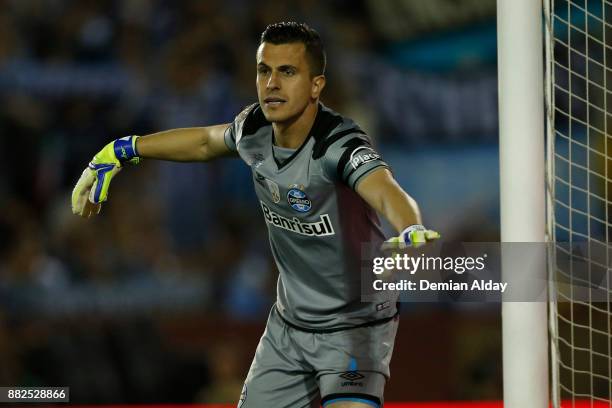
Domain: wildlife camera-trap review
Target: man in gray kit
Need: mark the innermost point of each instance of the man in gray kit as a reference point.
(319, 183)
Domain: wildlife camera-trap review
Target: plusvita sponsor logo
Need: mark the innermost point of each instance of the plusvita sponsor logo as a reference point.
(320, 228)
(363, 155)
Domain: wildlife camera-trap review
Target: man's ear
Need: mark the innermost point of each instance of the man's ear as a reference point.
(318, 83)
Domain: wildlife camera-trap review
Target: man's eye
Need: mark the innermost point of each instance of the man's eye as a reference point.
(262, 70)
(289, 72)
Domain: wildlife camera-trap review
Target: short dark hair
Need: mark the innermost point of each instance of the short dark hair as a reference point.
(292, 32)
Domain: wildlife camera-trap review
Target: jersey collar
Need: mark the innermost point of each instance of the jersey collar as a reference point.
(324, 123)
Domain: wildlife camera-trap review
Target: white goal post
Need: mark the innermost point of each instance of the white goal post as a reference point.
(522, 192)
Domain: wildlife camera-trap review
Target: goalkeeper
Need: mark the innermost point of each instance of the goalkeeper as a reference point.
(320, 184)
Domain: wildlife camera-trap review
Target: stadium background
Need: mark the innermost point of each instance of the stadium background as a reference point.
(163, 297)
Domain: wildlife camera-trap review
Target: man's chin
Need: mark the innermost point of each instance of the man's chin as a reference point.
(274, 116)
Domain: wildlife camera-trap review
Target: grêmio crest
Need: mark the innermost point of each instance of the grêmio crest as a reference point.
(297, 199)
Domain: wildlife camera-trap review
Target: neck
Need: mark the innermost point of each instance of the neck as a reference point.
(292, 133)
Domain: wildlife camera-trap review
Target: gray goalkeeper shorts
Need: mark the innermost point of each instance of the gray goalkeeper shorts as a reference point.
(295, 368)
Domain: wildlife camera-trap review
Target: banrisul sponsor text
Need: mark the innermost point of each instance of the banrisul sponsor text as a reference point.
(320, 228)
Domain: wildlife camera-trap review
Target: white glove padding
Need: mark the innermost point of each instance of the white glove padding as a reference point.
(413, 236)
(83, 194)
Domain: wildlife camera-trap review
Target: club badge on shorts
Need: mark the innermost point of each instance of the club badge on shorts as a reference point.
(243, 396)
(297, 198)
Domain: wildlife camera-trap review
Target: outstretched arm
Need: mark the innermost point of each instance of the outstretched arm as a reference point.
(183, 145)
(380, 190)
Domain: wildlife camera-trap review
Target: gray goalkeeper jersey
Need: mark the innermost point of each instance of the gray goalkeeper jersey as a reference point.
(316, 221)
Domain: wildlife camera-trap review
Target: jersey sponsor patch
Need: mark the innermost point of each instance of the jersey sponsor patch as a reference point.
(320, 228)
(363, 155)
(274, 191)
(383, 306)
(298, 200)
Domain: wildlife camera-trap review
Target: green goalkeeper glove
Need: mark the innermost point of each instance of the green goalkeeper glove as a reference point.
(413, 236)
(92, 188)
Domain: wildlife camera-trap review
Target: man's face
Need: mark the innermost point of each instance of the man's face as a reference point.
(284, 84)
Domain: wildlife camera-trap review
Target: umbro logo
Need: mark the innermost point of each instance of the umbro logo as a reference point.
(352, 376)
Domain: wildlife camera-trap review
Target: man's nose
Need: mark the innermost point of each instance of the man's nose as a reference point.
(273, 81)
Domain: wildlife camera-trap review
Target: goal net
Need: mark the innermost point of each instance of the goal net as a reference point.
(579, 51)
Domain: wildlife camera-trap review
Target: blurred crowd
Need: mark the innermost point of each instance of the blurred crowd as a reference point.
(82, 302)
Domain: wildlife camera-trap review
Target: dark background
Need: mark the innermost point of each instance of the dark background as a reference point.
(164, 296)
